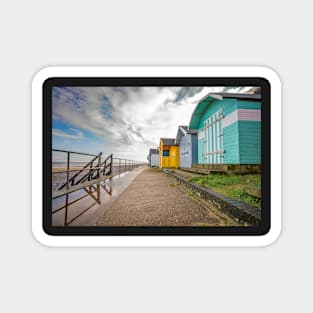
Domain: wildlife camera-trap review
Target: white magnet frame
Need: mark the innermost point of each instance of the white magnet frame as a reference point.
(156, 241)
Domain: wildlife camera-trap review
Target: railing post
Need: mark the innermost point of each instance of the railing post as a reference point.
(68, 168)
(111, 161)
(66, 210)
(119, 167)
(67, 186)
(99, 163)
(91, 165)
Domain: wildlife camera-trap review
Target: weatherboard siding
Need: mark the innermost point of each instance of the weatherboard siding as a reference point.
(254, 105)
(241, 115)
(188, 150)
(231, 146)
(194, 147)
(185, 151)
(170, 161)
(249, 126)
(250, 142)
(154, 160)
(249, 115)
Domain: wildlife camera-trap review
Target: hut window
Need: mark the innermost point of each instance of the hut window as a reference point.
(166, 152)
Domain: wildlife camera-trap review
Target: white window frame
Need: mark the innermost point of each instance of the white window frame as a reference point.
(214, 137)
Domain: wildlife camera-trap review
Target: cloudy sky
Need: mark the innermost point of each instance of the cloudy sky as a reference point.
(125, 121)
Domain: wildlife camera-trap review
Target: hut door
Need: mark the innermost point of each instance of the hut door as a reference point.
(214, 138)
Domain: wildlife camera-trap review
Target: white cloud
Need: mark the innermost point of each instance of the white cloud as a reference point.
(60, 133)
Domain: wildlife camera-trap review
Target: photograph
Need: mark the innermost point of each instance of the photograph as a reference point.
(156, 156)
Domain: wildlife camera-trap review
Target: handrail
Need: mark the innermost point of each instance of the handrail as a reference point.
(96, 167)
(74, 152)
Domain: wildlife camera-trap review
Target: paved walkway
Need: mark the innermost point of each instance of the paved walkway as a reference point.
(154, 199)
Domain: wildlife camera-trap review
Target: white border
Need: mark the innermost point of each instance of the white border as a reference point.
(156, 241)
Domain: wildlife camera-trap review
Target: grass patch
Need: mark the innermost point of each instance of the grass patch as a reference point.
(245, 188)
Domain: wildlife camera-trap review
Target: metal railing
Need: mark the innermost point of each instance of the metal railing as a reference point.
(93, 169)
(86, 177)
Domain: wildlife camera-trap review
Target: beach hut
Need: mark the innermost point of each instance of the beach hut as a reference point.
(153, 158)
(188, 146)
(229, 128)
(168, 153)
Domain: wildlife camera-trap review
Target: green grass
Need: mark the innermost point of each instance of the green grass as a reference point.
(246, 188)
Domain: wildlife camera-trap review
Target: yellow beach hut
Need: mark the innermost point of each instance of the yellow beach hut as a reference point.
(168, 153)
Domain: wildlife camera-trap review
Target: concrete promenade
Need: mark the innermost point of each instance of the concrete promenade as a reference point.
(154, 199)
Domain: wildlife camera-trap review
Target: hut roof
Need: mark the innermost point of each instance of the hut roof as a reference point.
(184, 130)
(247, 96)
(168, 141)
(153, 151)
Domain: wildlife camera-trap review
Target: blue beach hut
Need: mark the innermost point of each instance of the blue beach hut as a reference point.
(188, 146)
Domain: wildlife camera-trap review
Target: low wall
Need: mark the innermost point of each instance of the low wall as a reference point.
(240, 210)
(225, 168)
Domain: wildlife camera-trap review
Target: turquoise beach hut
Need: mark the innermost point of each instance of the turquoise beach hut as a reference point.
(229, 128)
